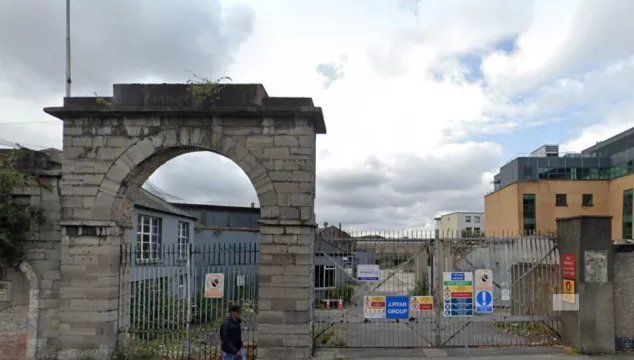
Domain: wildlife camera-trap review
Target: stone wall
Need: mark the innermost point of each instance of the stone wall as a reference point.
(34, 309)
(112, 145)
(624, 295)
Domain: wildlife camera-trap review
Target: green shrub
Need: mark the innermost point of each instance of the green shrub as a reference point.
(422, 286)
(343, 292)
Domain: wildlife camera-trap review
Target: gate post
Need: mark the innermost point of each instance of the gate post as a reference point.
(439, 268)
(589, 239)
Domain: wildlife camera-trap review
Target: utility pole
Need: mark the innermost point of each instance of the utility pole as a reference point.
(68, 80)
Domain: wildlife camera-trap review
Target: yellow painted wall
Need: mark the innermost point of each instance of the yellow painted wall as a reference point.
(617, 186)
(545, 191)
(502, 211)
(503, 208)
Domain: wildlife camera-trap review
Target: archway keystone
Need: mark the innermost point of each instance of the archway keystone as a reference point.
(112, 145)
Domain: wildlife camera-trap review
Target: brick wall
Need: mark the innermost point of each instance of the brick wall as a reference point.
(13, 347)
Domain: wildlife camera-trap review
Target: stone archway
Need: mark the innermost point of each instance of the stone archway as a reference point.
(19, 312)
(112, 145)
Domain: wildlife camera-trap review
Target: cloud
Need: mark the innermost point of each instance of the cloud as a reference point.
(112, 41)
(435, 92)
(332, 71)
(410, 6)
(218, 180)
(618, 120)
(407, 190)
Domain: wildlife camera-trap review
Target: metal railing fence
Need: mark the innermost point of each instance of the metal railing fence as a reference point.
(164, 313)
(525, 270)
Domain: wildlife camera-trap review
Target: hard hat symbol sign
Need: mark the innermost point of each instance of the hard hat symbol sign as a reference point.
(213, 282)
(485, 278)
(214, 285)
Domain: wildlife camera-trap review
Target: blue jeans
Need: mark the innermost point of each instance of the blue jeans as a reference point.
(226, 356)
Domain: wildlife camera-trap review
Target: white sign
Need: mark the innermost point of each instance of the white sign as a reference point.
(506, 294)
(484, 291)
(458, 293)
(367, 272)
(374, 306)
(240, 280)
(214, 285)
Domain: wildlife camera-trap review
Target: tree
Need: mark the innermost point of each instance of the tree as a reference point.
(15, 217)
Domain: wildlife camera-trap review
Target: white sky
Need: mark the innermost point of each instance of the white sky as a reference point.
(423, 99)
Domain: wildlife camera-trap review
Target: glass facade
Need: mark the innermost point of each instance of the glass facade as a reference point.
(528, 211)
(628, 203)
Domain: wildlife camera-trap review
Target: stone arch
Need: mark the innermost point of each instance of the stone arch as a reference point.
(138, 161)
(112, 144)
(19, 321)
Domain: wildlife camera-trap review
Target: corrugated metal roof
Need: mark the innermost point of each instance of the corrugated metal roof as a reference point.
(147, 200)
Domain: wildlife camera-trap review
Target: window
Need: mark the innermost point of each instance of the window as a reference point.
(561, 200)
(467, 218)
(476, 219)
(182, 281)
(467, 232)
(628, 203)
(476, 231)
(325, 276)
(183, 239)
(587, 200)
(148, 236)
(528, 211)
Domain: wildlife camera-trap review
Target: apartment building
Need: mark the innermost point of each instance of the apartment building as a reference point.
(532, 191)
(460, 224)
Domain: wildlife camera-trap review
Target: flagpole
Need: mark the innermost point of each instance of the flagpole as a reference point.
(68, 80)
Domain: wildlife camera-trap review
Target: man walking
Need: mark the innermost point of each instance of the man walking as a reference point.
(231, 336)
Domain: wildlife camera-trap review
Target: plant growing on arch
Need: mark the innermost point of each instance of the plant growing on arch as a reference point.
(204, 88)
(15, 216)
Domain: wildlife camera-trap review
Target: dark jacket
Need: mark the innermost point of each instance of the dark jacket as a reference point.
(231, 335)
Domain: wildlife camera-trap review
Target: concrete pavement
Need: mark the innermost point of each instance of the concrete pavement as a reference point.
(481, 353)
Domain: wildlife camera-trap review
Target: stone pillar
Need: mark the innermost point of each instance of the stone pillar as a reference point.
(89, 289)
(285, 318)
(589, 239)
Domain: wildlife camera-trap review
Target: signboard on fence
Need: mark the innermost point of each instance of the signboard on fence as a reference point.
(367, 272)
(374, 307)
(240, 280)
(458, 293)
(214, 285)
(421, 303)
(397, 307)
(484, 291)
(568, 266)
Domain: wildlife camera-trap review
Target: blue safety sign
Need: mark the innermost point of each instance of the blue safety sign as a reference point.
(397, 307)
(484, 302)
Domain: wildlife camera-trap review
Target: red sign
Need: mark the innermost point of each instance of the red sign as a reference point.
(568, 266)
(461, 294)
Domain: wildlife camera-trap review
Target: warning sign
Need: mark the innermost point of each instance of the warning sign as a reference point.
(484, 291)
(568, 266)
(421, 303)
(458, 293)
(374, 307)
(568, 291)
(214, 285)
